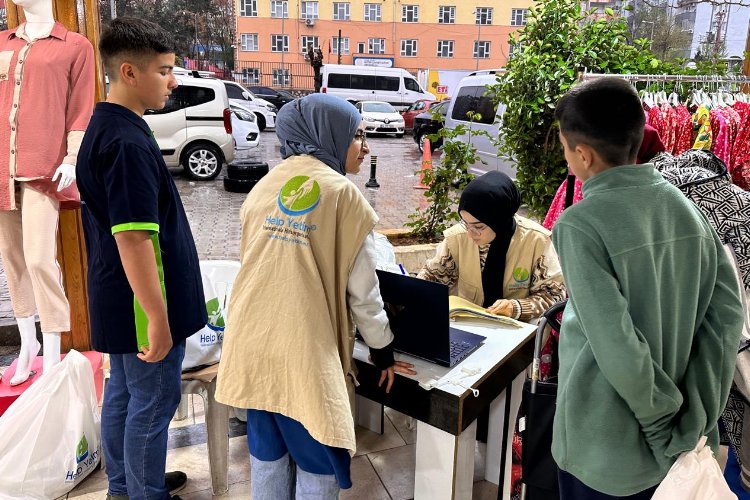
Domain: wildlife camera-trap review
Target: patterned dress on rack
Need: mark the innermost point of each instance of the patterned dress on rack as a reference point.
(702, 123)
(741, 148)
(684, 129)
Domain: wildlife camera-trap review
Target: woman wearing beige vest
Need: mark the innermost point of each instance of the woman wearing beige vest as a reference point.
(307, 276)
(495, 258)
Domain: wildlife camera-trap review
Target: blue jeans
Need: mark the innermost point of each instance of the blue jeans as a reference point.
(140, 401)
(571, 488)
(287, 463)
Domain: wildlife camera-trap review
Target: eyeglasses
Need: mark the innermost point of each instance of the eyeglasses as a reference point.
(360, 136)
(474, 227)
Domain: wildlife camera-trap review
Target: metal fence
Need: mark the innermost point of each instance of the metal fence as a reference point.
(291, 76)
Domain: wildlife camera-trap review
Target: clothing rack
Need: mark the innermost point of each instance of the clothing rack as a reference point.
(632, 78)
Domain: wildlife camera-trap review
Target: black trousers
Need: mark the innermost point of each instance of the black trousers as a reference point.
(573, 489)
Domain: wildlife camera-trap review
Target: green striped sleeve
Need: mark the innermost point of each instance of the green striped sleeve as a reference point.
(136, 226)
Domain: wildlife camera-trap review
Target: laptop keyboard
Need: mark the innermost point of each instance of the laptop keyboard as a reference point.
(458, 347)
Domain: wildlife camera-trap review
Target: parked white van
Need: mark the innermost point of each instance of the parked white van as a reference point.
(470, 96)
(395, 86)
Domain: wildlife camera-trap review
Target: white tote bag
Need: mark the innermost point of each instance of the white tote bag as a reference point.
(695, 475)
(204, 347)
(50, 436)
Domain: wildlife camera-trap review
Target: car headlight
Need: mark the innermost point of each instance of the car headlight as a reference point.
(272, 107)
(369, 119)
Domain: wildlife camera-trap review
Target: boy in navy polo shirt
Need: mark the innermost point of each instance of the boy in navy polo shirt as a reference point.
(144, 284)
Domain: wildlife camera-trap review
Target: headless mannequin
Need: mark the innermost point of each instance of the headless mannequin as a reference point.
(39, 23)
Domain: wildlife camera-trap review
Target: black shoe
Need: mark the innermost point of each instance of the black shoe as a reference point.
(175, 481)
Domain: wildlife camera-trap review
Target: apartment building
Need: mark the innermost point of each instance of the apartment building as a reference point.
(413, 34)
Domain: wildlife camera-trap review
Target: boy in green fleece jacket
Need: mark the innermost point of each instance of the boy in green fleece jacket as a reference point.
(651, 331)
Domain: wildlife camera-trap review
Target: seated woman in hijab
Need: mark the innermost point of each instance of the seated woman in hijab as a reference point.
(307, 256)
(496, 258)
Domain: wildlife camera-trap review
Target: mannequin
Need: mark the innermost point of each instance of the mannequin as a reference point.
(47, 95)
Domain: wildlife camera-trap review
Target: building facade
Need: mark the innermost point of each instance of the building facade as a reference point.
(273, 35)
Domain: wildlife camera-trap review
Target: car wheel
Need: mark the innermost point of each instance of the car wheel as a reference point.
(247, 170)
(261, 121)
(239, 185)
(419, 138)
(202, 161)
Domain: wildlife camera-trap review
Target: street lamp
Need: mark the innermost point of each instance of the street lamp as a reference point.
(652, 30)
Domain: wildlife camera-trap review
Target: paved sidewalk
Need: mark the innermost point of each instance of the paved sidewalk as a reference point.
(214, 213)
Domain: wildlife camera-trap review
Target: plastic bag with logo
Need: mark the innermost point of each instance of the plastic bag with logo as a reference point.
(50, 436)
(204, 347)
(695, 475)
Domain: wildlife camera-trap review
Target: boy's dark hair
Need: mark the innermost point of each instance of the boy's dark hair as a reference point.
(605, 114)
(132, 39)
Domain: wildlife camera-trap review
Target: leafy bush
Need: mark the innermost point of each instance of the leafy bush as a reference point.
(559, 38)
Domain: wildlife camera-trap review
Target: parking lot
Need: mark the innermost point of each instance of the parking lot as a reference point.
(214, 213)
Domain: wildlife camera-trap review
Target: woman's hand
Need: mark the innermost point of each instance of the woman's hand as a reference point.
(390, 373)
(502, 307)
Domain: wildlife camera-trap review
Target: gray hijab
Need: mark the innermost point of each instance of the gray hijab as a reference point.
(319, 125)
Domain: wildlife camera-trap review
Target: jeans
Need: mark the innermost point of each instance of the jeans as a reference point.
(140, 401)
(287, 463)
(573, 489)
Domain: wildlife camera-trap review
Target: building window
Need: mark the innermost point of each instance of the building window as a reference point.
(248, 8)
(249, 42)
(250, 76)
(445, 48)
(376, 45)
(372, 12)
(514, 49)
(280, 8)
(361, 48)
(409, 48)
(279, 43)
(341, 11)
(410, 13)
(344, 45)
(309, 40)
(309, 10)
(281, 77)
(481, 50)
(518, 17)
(447, 14)
(483, 15)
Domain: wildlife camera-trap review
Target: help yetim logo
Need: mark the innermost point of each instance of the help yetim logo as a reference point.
(299, 196)
(85, 460)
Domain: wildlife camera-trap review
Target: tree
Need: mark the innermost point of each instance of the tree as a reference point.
(202, 28)
(559, 38)
(668, 40)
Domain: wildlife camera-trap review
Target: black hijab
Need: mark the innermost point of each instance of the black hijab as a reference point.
(493, 199)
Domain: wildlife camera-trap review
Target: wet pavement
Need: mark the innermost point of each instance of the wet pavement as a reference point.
(213, 213)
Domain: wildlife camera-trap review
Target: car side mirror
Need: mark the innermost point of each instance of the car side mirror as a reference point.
(246, 95)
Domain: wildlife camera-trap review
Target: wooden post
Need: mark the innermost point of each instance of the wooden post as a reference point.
(81, 16)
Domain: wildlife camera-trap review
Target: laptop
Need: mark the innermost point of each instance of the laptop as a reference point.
(418, 312)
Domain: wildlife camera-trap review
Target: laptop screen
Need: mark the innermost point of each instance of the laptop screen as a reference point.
(418, 313)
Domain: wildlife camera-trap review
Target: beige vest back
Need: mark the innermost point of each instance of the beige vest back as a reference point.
(289, 338)
(529, 240)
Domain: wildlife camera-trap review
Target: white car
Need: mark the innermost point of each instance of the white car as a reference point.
(264, 111)
(381, 118)
(244, 127)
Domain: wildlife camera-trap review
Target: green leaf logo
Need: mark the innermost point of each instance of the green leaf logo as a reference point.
(299, 195)
(215, 315)
(82, 450)
(520, 274)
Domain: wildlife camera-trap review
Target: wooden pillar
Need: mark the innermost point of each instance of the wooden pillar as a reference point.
(81, 16)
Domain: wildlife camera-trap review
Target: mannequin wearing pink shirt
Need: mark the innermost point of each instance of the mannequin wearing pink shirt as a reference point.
(46, 99)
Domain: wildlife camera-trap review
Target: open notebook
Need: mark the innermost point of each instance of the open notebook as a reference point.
(459, 307)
